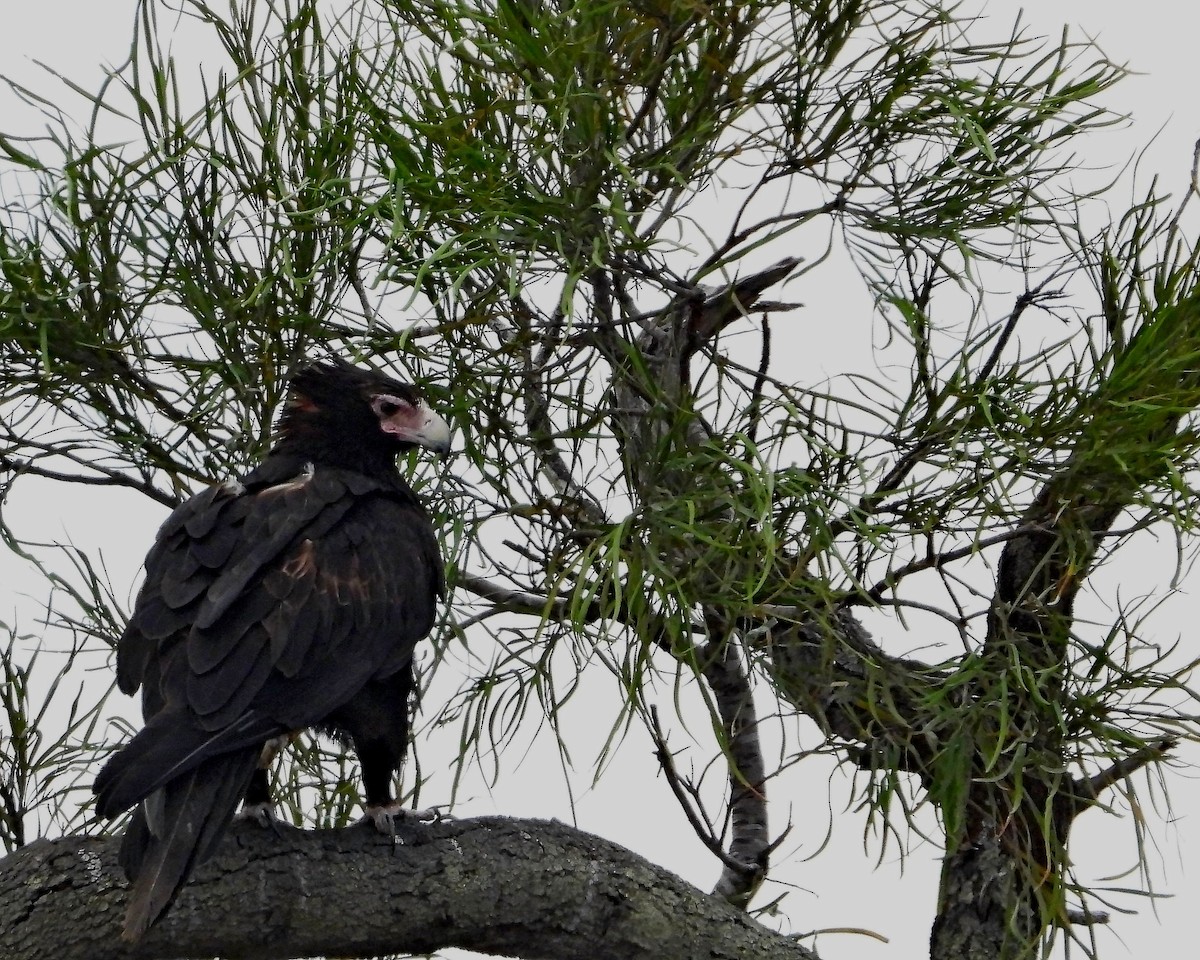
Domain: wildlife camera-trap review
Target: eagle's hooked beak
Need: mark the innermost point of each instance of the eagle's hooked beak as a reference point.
(425, 429)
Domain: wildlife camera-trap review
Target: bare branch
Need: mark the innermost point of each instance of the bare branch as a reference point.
(510, 600)
(699, 822)
(537, 416)
(1088, 790)
(733, 301)
(513, 601)
(750, 843)
(1088, 918)
(107, 478)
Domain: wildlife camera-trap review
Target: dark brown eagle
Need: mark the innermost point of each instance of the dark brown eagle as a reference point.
(291, 598)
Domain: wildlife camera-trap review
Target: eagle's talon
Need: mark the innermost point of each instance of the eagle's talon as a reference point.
(260, 814)
(385, 816)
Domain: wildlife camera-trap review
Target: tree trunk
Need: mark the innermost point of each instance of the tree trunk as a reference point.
(985, 910)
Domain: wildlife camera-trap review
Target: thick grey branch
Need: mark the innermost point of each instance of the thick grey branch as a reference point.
(521, 888)
(746, 861)
(512, 600)
(750, 845)
(829, 667)
(651, 392)
(558, 608)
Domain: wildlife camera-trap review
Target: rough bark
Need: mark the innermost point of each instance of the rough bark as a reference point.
(750, 843)
(521, 888)
(1001, 884)
(985, 907)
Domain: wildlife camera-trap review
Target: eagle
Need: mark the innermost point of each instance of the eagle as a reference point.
(291, 598)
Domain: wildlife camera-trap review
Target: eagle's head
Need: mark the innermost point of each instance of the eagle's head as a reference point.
(341, 412)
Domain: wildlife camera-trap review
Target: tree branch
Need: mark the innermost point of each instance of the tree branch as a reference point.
(520, 888)
(1087, 790)
(830, 668)
(553, 463)
(722, 306)
(107, 477)
(750, 842)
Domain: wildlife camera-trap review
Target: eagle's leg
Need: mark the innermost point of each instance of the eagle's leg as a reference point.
(256, 805)
(375, 723)
(379, 760)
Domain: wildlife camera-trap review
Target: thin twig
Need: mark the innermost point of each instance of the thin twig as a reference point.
(1090, 788)
(107, 478)
(699, 823)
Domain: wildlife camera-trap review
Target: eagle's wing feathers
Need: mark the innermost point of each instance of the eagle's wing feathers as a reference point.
(311, 557)
(362, 595)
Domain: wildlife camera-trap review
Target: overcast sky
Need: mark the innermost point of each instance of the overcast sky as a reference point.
(838, 887)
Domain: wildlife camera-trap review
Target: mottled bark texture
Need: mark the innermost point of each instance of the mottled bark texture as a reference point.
(520, 888)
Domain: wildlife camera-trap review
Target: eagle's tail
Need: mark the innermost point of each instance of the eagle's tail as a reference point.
(175, 828)
(168, 748)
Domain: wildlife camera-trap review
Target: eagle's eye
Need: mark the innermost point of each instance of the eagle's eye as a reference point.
(387, 406)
